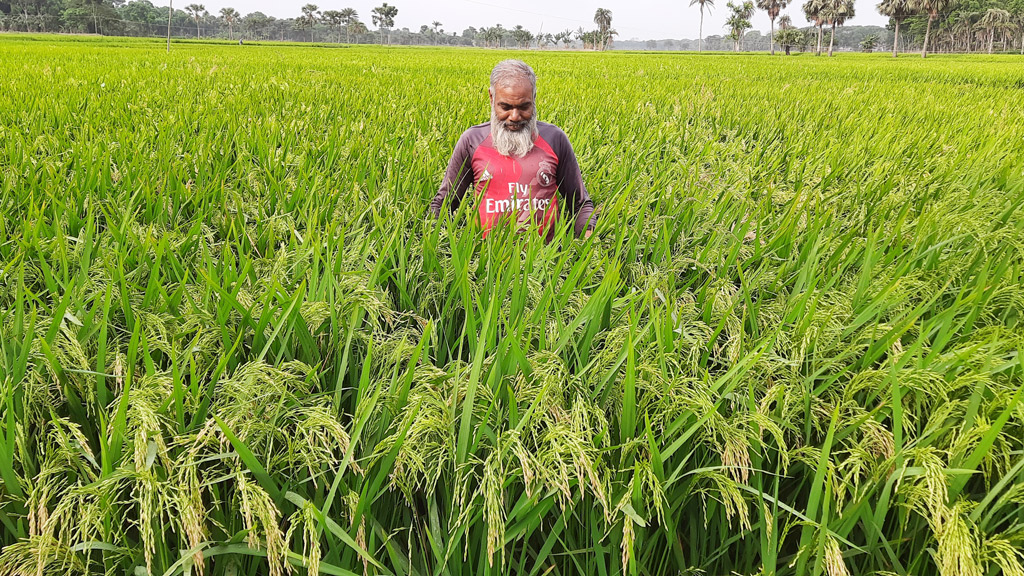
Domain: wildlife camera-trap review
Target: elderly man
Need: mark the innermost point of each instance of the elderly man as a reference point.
(517, 165)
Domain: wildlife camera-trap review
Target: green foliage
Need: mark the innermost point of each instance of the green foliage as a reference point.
(231, 343)
(868, 44)
(789, 37)
(739, 20)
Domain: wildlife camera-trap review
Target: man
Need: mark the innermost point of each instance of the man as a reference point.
(517, 166)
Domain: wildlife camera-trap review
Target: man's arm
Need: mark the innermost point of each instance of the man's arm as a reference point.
(457, 178)
(570, 186)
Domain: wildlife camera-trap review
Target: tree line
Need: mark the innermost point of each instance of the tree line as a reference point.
(944, 25)
(143, 18)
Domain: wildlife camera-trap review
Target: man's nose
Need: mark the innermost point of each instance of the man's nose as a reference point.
(516, 115)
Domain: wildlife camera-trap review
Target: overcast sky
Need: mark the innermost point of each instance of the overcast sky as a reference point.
(642, 19)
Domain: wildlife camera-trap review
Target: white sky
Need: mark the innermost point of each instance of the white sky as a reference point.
(642, 19)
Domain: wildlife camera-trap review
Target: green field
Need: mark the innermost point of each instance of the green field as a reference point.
(232, 343)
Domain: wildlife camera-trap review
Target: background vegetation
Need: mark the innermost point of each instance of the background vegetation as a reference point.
(949, 26)
(231, 342)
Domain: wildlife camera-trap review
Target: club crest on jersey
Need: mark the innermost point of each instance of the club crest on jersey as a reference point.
(546, 178)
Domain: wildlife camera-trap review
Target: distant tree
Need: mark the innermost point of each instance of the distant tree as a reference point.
(806, 37)
(788, 37)
(584, 37)
(772, 7)
(493, 34)
(814, 10)
(333, 20)
(739, 21)
(485, 35)
(96, 5)
(869, 42)
(1017, 9)
(932, 9)
(255, 23)
(230, 16)
(357, 28)
(349, 17)
(310, 16)
(710, 4)
(521, 36)
(196, 11)
(75, 14)
(836, 13)
(897, 11)
(434, 31)
(142, 18)
(996, 19)
(965, 24)
(384, 19)
(603, 19)
(566, 37)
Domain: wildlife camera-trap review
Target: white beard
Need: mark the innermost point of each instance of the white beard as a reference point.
(517, 143)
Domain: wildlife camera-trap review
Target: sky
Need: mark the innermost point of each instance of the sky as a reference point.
(640, 19)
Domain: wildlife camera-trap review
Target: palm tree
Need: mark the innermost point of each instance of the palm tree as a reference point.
(196, 10)
(384, 19)
(964, 25)
(566, 37)
(772, 7)
(814, 11)
(333, 20)
(932, 8)
(349, 16)
(310, 16)
(995, 19)
(710, 4)
(897, 11)
(603, 19)
(836, 13)
(787, 36)
(1019, 17)
(739, 21)
(357, 28)
(521, 36)
(230, 15)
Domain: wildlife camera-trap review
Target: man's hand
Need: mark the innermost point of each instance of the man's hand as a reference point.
(587, 234)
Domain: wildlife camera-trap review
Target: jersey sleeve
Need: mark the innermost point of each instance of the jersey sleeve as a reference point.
(571, 187)
(458, 177)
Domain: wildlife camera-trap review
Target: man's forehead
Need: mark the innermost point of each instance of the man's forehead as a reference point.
(515, 90)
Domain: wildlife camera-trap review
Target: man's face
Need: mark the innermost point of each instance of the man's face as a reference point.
(513, 104)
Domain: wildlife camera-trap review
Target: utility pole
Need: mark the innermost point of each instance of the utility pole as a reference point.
(170, 11)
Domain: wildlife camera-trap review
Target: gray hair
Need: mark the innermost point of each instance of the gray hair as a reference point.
(509, 71)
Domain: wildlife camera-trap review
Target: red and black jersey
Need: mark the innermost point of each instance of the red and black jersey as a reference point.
(521, 189)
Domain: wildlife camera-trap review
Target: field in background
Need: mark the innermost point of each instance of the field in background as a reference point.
(231, 342)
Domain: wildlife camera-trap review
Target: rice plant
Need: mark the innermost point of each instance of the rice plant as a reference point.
(232, 343)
